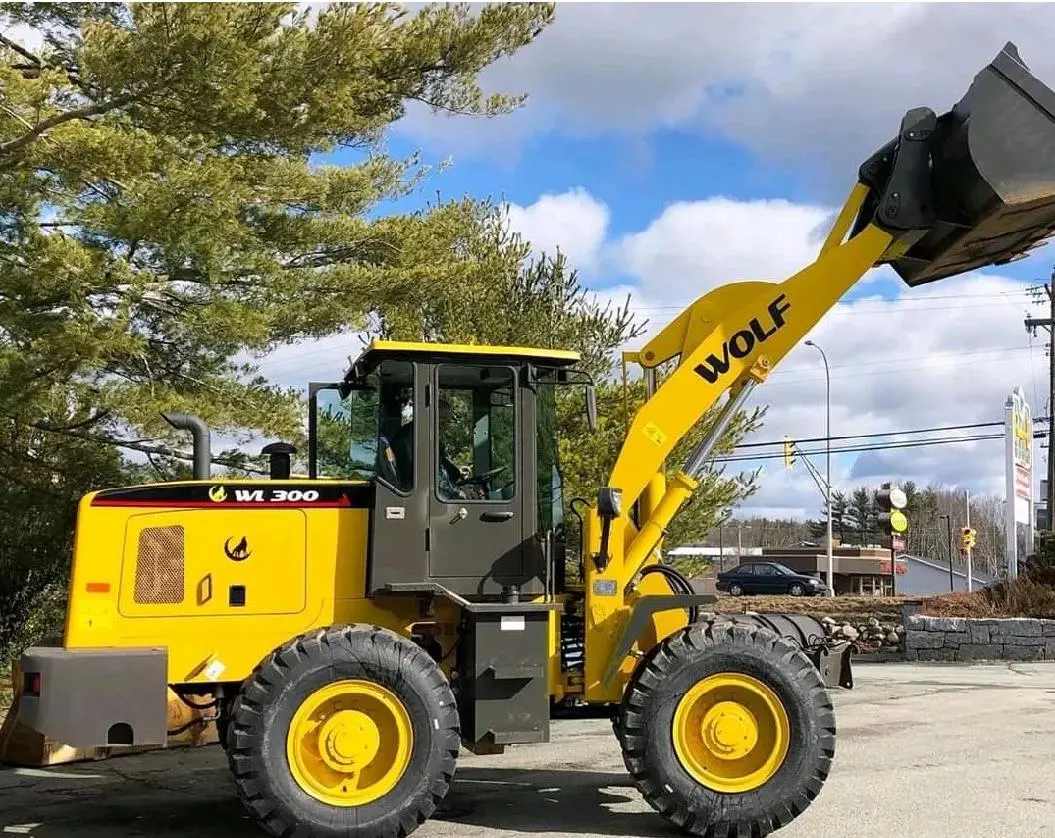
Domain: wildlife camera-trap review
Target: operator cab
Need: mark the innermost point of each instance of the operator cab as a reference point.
(460, 445)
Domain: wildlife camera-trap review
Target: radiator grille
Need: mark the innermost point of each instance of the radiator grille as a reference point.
(160, 566)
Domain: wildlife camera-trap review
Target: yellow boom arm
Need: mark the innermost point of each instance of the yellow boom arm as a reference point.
(948, 195)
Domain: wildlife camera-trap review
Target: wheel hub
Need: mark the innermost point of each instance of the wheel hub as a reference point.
(348, 741)
(729, 730)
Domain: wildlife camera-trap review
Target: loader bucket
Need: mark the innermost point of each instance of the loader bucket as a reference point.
(992, 161)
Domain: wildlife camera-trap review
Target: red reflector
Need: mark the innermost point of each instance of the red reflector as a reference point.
(98, 587)
(31, 684)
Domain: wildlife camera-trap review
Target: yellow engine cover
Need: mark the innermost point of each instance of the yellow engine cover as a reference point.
(200, 559)
(221, 573)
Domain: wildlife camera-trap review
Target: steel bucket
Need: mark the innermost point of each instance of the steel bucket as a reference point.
(992, 175)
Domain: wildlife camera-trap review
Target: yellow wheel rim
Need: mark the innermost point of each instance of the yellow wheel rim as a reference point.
(731, 733)
(349, 743)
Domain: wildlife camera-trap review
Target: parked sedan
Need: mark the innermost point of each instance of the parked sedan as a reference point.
(768, 578)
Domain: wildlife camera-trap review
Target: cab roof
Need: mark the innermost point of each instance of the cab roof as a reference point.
(379, 349)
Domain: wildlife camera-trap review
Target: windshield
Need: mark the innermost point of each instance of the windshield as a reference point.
(366, 433)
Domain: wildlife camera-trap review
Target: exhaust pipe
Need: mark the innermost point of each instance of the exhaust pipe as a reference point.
(200, 433)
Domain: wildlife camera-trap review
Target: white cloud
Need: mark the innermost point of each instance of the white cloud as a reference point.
(825, 84)
(573, 221)
(694, 246)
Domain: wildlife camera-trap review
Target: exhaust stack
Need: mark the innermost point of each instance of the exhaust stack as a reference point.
(200, 433)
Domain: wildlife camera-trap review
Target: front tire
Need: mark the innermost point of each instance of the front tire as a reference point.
(796, 589)
(735, 590)
(348, 731)
(727, 730)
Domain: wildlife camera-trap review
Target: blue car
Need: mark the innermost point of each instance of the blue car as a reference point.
(770, 578)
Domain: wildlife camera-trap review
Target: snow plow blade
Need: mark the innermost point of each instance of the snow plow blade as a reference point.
(991, 188)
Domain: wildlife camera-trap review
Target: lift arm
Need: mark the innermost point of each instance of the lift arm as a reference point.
(971, 188)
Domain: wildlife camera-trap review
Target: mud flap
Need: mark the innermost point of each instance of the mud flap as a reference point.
(991, 188)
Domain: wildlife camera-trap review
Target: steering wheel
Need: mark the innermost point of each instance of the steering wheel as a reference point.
(482, 479)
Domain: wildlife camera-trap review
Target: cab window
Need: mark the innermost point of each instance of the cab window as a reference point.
(476, 433)
(368, 432)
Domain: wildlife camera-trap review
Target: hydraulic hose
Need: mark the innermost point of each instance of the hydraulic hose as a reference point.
(678, 583)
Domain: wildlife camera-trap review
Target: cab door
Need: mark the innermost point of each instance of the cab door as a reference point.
(476, 495)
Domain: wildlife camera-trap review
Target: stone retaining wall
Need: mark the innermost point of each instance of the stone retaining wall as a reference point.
(963, 639)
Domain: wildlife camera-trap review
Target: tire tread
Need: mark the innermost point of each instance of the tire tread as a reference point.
(370, 643)
(711, 815)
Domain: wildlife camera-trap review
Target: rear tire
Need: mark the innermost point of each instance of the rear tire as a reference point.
(378, 705)
(695, 787)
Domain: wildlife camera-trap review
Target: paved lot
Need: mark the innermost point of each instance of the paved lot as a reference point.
(938, 751)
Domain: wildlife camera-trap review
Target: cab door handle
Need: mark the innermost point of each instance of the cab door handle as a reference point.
(496, 516)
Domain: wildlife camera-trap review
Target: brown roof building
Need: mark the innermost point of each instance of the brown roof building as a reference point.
(861, 571)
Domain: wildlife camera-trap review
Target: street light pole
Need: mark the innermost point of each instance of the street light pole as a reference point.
(828, 448)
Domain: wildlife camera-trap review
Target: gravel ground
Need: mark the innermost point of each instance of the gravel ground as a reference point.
(941, 751)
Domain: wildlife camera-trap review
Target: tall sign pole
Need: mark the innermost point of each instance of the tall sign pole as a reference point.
(970, 542)
(1018, 447)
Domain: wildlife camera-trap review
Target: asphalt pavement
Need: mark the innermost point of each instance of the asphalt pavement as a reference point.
(940, 751)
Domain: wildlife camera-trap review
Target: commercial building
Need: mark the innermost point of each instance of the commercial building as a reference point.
(858, 571)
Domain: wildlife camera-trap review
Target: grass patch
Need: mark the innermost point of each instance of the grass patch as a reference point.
(1021, 597)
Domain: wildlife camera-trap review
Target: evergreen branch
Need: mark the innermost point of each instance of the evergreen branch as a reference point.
(46, 125)
(157, 449)
(21, 50)
(84, 423)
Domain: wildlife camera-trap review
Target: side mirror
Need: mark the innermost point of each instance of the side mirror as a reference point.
(591, 407)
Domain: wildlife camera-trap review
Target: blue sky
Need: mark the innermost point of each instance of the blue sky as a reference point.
(636, 179)
(632, 155)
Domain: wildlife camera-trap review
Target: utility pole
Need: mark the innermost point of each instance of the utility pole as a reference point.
(948, 539)
(1048, 323)
(970, 571)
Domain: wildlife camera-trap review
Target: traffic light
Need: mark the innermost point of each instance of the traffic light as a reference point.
(967, 538)
(891, 500)
(789, 452)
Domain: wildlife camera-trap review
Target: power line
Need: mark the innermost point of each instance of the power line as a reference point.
(856, 449)
(882, 434)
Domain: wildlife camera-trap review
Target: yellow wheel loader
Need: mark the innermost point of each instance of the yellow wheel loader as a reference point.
(408, 598)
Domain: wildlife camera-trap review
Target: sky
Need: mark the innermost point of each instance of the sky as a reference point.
(667, 149)
(670, 148)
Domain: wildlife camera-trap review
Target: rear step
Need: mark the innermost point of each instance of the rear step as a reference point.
(990, 197)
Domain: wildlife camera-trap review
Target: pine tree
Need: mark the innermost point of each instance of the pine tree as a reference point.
(166, 219)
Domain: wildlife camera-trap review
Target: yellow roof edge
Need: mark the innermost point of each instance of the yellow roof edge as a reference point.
(472, 349)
